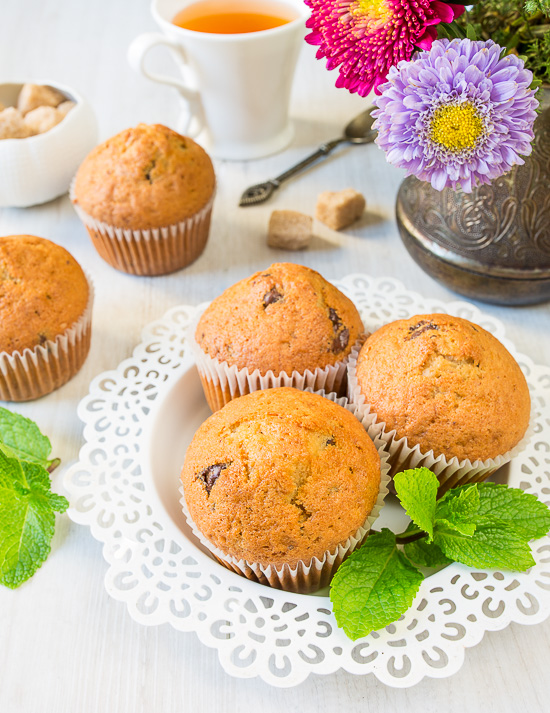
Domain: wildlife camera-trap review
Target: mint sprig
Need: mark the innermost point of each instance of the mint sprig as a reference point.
(27, 505)
(482, 525)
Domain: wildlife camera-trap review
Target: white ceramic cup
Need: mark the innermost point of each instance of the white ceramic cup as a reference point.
(236, 86)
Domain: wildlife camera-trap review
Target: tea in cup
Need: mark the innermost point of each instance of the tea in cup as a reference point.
(237, 59)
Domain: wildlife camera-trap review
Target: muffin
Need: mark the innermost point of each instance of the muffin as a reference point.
(284, 326)
(448, 394)
(145, 197)
(46, 310)
(281, 485)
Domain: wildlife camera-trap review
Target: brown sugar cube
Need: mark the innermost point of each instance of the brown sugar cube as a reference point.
(32, 96)
(65, 107)
(289, 230)
(42, 119)
(338, 209)
(12, 125)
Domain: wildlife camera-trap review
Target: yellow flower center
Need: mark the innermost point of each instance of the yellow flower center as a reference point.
(456, 127)
(374, 13)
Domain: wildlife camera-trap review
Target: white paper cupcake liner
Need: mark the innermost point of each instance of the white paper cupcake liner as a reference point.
(157, 251)
(36, 372)
(306, 576)
(451, 472)
(222, 383)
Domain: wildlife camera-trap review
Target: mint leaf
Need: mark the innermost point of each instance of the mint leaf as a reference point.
(523, 511)
(459, 505)
(417, 491)
(27, 518)
(374, 586)
(424, 554)
(462, 528)
(458, 509)
(21, 438)
(492, 545)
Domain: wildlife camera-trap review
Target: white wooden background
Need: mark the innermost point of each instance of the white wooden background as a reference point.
(65, 646)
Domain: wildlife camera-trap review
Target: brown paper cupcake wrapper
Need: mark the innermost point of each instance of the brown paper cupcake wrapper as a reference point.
(36, 372)
(451, 472)
(157, 251)
(222, 383)
(305, 576)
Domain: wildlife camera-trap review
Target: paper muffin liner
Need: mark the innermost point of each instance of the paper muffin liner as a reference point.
(451, 472)
(222, 383)
(157, 251)
(306, 576)
(36, 372)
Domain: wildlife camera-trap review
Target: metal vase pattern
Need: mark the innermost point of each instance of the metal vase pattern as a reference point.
(492, 244)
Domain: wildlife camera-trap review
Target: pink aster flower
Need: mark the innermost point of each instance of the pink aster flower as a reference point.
(364, 38)
(459, 115)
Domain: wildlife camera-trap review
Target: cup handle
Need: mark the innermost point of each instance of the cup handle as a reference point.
(137, 52)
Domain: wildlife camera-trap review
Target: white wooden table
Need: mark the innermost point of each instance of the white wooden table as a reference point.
(65, 646)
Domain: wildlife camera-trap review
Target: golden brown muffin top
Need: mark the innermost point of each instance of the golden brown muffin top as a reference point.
(145, 177)
(447, 385)
(279, 476)
(43, 291)
(286, 318)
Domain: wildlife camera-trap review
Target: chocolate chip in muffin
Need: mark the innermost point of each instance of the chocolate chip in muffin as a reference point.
(341, 338)
(211, 474)
(340, 341)
(334, 318)
(419, 328)
(272, 296)
(149, 169)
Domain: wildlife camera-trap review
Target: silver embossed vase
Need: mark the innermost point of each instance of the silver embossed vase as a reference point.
(492, 244)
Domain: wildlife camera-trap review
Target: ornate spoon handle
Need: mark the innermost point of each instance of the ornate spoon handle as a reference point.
(262, 191)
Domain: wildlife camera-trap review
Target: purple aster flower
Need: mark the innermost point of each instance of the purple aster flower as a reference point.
(364, 38)
(458, 115)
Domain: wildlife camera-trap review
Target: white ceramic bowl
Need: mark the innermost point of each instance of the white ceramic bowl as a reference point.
(40, 168)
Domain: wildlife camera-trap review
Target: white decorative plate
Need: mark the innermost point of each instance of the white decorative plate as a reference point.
(139, 419)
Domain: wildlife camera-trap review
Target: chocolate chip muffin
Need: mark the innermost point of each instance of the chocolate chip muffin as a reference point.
(45, 309)
(282, 326)
(145, 196)
(278, 478)
(445, 386)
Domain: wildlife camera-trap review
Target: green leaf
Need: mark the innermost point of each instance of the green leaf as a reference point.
(21, 438)
(27, 518)
(459, 504)
(425, 554)
(471, 33)
(417, 491)
(529, 517)
(463, 528)
(458, 509)
(491, 546)
(374, 586)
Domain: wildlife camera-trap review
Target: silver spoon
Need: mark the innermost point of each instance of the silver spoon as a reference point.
(358, 131)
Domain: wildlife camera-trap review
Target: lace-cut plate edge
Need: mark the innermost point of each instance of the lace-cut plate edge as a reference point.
(163, 353)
